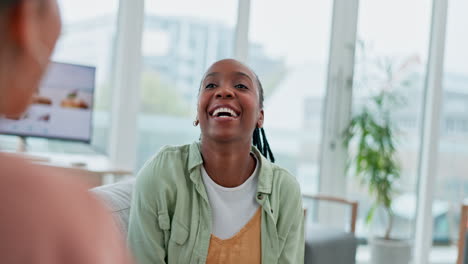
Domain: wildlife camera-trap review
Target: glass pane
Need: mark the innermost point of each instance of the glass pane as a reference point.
(391, 54)
(452, 176)
(88, 38)
(292, 66)
(179, 44)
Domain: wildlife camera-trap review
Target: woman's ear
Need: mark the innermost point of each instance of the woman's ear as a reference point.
(260, 119)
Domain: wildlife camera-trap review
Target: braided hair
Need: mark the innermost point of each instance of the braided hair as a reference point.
(259, 139)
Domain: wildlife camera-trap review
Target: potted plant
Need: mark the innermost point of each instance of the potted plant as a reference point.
(371, 136)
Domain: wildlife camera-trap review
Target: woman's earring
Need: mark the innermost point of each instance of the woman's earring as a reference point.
(195, 123)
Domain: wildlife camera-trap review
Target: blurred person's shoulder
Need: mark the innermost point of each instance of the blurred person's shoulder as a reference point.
(22, 181)
(48, 217)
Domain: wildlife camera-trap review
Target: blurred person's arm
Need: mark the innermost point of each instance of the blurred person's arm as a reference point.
(50, 218)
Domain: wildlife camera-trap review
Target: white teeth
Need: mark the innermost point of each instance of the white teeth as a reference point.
(224, 110)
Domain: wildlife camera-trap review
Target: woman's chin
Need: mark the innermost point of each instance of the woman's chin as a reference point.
(223, 137)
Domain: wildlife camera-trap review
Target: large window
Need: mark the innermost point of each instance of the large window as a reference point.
(452, 177)
(179, 44)
(288, 49)
(88, 38)
(391, 54)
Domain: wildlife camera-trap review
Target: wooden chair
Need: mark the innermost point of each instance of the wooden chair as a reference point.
(462, 233)
(325, 244)
(353, 204)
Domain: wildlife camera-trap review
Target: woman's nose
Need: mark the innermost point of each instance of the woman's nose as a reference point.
(224, 92)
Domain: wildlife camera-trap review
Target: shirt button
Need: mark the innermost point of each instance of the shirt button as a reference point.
(260, 197)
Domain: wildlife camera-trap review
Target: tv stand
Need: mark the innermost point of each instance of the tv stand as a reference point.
(22, 145)
(95, 169)
(22, 151)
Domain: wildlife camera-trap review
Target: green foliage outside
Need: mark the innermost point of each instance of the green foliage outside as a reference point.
(374, 163)
(371, 135)
(159, 97)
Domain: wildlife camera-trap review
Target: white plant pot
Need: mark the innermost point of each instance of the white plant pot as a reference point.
(389, 251)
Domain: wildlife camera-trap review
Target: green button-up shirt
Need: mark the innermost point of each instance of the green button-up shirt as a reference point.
(170, 217)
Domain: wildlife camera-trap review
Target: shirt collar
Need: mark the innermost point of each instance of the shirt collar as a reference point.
(265, 173)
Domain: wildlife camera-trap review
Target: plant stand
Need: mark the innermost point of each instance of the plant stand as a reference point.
(392, 251)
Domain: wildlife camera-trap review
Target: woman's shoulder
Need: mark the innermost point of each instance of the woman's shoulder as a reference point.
(284, 178)
(283, 184)
(167, 155)
(276, 178)
(168, 165)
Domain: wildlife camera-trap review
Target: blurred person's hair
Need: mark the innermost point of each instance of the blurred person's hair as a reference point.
(7, 3)
(5, 11)
(5, 6)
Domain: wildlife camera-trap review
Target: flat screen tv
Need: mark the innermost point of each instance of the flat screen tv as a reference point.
(62, 107)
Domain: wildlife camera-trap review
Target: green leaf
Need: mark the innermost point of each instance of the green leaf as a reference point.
(370, 214)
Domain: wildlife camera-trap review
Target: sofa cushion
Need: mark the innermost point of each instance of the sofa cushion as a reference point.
(326, 245)
(117, 197)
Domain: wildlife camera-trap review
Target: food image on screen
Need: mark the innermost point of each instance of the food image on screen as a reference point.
(44, 118)
(61, 109)
(73, 101)
(37, 99)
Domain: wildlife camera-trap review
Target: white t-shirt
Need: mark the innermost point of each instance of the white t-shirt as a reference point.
(232, 208)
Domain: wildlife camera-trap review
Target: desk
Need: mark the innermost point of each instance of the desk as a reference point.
(96, 169)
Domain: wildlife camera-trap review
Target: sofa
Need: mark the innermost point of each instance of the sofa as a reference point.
(323, 245)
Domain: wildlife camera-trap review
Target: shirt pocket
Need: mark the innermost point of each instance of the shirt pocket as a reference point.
(165, 225)
(177, 244)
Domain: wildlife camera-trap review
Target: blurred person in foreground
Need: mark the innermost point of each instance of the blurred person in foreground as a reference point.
(44, 217)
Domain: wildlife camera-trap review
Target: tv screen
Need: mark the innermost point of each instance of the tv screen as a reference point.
(62, 108)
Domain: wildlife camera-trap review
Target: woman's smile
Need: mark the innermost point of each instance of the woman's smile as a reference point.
(224, 113)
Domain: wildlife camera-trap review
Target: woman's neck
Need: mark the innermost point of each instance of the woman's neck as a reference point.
(228, 164)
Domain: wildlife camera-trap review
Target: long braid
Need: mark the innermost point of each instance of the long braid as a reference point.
(266, 146)
(256, 140)
(259, 139)
(261, 143)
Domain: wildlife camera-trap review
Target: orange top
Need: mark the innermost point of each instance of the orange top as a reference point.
(243, 247)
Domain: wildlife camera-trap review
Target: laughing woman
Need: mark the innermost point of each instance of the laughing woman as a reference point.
(219, 200)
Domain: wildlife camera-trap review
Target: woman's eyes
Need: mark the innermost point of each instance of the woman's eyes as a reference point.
(237, 86)
(241, 86)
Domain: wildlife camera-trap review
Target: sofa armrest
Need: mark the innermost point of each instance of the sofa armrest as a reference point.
(462, 232)
(334, 199)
